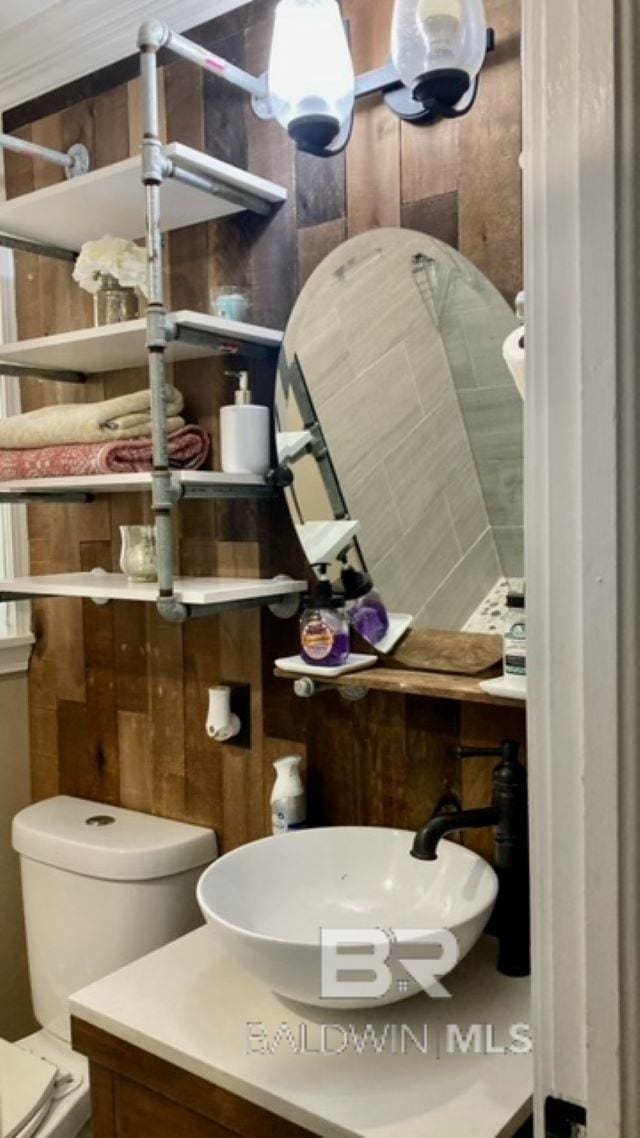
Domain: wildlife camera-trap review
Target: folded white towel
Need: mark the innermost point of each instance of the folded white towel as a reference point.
(125, 417)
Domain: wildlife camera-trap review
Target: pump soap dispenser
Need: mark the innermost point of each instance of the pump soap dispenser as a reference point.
(245, 432)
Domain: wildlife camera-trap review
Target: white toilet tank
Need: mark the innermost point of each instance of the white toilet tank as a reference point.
(101, 887)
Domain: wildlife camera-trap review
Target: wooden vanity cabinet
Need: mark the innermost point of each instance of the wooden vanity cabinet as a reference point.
(136, 1095)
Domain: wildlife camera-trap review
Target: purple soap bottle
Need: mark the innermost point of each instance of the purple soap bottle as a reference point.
(366, 610)
(324, 628)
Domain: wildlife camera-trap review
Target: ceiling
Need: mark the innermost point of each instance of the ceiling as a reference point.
(13, 12)
(47, 43)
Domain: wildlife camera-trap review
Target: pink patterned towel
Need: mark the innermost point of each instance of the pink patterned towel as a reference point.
(188, 450)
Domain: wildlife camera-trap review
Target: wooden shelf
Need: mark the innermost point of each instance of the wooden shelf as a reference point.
(115, 587)
(115, 347)
(436, 685)
(189, 483)
(111, 200)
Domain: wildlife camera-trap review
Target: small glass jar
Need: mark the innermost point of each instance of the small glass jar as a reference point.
(231, 302)
(324, 634)
(113, 303)
(138, 557)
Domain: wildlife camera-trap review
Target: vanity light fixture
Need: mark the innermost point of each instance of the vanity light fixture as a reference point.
(310, 88)
(311, 81)
(438, 48)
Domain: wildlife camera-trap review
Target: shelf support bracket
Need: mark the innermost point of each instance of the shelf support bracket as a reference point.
(74, 161)
(35, 497)
(36, 372)
(211, 186)
(22, 245)
(225, 345)
(175, 612)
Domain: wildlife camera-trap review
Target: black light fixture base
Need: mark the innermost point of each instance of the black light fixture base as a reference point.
(405, 106)
(447, 87)
(314, 131)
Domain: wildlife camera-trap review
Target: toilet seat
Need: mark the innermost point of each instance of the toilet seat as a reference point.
(66, 1110)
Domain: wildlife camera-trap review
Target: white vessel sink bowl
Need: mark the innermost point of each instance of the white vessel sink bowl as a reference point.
(269, 900)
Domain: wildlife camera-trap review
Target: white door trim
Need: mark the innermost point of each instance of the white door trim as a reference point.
(582, 572)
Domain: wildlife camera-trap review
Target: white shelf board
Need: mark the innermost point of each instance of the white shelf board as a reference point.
(115, 347)
(124, 483)
(111, 200)
(323, 541)
(115, 587)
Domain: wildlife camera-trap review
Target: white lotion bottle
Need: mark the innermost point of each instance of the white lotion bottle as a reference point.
(288, 804)
(245, 433)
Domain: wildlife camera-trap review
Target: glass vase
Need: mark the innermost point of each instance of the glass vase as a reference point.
(138, 557)
(113, 303)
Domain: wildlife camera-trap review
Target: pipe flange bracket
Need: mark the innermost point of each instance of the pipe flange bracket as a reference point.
(261, 105)
(81, 160)
(353, 695)
(286, 606)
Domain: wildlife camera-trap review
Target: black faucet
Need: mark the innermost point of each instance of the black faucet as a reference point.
(508, 814)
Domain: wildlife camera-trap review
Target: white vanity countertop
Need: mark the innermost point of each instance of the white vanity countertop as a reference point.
(190, 1004)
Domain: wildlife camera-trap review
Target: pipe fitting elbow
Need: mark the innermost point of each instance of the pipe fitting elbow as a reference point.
(152, 35)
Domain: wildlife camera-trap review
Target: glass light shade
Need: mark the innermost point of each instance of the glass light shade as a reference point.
(311, 77)
(438, 35)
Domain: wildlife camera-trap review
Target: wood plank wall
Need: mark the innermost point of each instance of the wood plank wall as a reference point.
(118, 698)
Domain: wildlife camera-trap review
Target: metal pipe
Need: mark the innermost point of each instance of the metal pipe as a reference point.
(36, 372)
(153, 171)
(215, 64)
(212, 186)
(34, 150)
(75, 160)
(373, 82)
(21, 245)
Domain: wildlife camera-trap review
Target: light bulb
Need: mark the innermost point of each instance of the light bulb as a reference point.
(311, 78)
(438, 47)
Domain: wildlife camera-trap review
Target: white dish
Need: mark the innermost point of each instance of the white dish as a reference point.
(268, 901)
(399, 623)
(296, 665)
(501, 686)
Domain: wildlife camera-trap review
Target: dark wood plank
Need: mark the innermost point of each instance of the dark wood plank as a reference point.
(177, 1086)
(373, 155)
(321, 188)
(315, 243)
(490, 192)
(437, 216)
(140, 1111)
(274, 239)
(103, 1119)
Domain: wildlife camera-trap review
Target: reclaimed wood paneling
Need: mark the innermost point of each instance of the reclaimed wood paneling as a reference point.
(117, 698)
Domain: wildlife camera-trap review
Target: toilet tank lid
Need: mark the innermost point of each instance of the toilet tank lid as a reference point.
(96, 840)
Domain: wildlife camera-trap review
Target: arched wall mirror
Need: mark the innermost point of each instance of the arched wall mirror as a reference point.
(403, 428)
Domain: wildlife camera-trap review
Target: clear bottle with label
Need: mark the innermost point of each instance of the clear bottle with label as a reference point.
(324, 628)
(515, 642)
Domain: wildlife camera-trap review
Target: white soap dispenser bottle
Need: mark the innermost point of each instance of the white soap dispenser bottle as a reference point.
(288, 805)
(245, 432)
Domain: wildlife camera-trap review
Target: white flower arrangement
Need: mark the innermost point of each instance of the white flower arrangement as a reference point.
(115, 257)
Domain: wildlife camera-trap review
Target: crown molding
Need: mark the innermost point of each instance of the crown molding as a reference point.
(58, 47)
